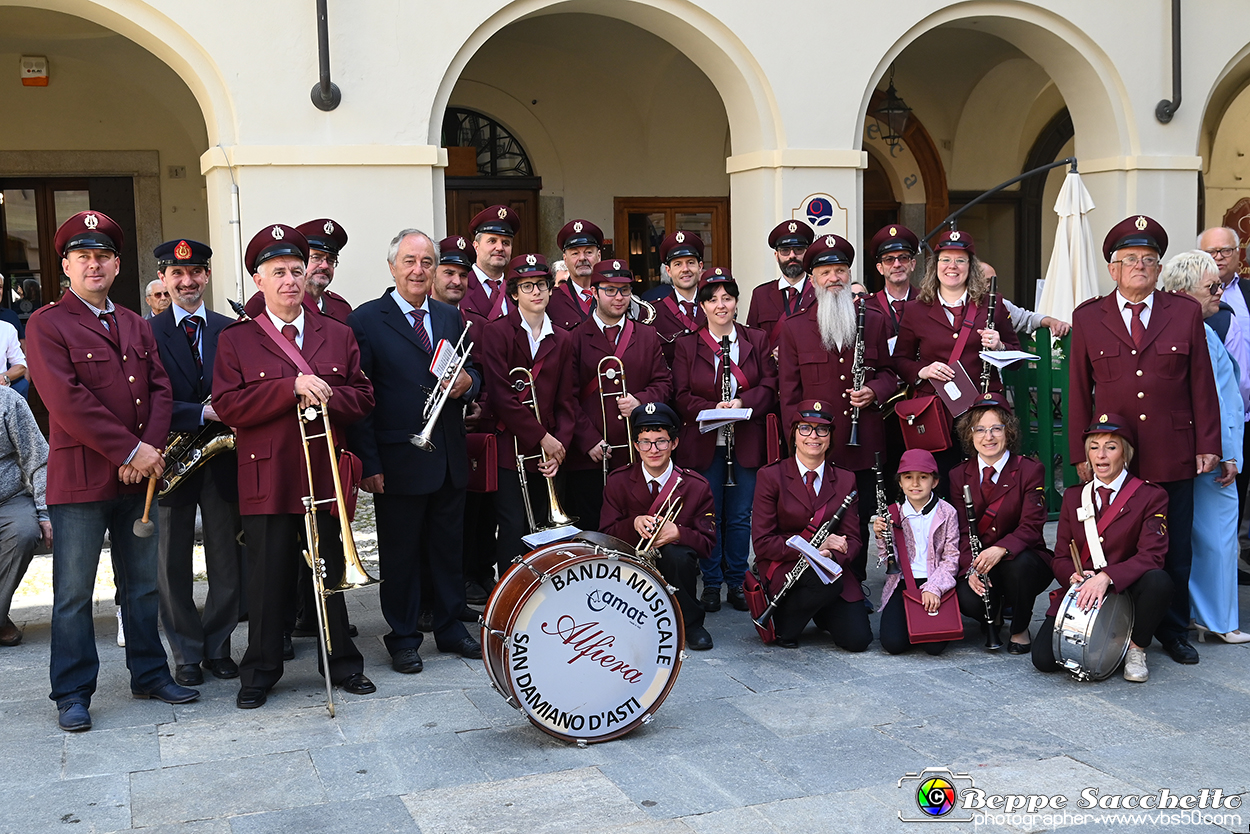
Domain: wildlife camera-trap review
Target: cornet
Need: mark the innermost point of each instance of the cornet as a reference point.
(438, 398)
(557, 517)
(354, 574)
(609, 375)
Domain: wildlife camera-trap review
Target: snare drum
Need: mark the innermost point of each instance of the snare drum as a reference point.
(1092, 644)
(586, 641)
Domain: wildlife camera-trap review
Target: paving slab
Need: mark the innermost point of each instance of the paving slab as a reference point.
(387, 815)
(420, 714)
(390, 768)
(246, 733)
(97, 803)
(102, 752)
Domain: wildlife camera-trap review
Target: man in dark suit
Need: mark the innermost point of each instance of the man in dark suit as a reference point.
(257, 387)
(418, 493)
(326, 240)
(774, 302)
(580, 243)
(186, 335)
(1140, 352)
(677, 312)
(109, 407)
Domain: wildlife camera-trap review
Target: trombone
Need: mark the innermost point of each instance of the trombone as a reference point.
(354, 574)
(668, 511)
(435, 402)
(557, 517)
(605, 376)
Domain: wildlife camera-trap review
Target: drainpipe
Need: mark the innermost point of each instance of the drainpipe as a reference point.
(1167, 109)
(325, 93)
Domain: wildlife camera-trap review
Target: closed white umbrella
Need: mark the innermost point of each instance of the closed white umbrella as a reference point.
(1072, 275)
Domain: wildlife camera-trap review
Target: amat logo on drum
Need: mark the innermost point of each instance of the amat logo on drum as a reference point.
(600, 600)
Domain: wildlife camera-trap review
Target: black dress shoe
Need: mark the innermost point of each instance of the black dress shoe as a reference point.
(698, 639)
(475, 594)
(710, 600)
(407, 661)
(1181, 651)
(10, 634)
(170, 693)
(304, 628)
(737, 599)
(787, 644)
(188, 674)
(468, 615)
(357, 684)
(467, 648)
(425, 621)
(221, 667)
(1019, 648)
(288, 649)
(251, 697)
(352, 631)
(73, 718)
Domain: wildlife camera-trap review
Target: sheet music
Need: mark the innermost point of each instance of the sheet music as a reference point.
(444, 356)
(825, 568)
(711, 419)
(1002, 358)
(555, 534)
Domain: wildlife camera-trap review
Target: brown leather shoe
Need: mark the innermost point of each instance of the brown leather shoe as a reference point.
(10, 634)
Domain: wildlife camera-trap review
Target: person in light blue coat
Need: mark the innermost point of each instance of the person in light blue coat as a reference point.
(1213, 579)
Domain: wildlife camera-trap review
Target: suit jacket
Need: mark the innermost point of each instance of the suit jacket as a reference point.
(783, 508)
(626, 496)
(103, 396)
(565, 311)
(647, 378)
(670, 327)
(942, 559)
(1134, 541)
(392, 357)
(807, 371)
(698, 386)
(1167, 388)
(892, 315)
(254, 391)
(335, 306)
(505, 345)
(190, 389)
(477, 303)
(1021, 516)
(768, 308)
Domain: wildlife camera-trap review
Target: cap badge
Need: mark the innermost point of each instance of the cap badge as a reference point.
(1102, 419)
(91, 221)
(893, 231)
(831, 241)
(277, 233)
(793, 227)
(531, 259)
(650, 409)
(459, 243)
(680, 237)
(816, 406)
(616, 264)
(503, 212)
(718, 271)
(182, 251)
(577, 227)
(1141, 223)
(329, 227)
(954, 235)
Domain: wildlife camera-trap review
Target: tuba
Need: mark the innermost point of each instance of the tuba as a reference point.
(557, 517)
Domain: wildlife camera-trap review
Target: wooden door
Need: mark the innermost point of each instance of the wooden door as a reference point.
(466, 196)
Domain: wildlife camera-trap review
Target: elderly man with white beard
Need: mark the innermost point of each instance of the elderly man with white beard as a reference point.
(816, 361)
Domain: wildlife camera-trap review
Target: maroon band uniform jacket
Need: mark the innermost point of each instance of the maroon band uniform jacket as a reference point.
(626, 496)
(1019, 502)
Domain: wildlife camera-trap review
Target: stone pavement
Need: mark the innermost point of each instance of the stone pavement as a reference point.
(751, 739)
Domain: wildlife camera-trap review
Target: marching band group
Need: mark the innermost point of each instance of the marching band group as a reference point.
(474, 394)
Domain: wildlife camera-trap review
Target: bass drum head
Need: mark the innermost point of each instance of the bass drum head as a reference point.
(592, 648)
(605, 542)
(1109, 636)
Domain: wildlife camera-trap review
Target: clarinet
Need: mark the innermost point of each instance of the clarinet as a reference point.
(992, 301)
(887, 538)
(726, 392)
(802, 565)
(974, 543)
(857, 369)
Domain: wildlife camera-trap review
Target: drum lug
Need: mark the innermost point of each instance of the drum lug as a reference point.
(670, 588)
(581, 743)
(684, 657)
(648, 718)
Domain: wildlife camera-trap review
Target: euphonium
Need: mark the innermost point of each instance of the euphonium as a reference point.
(557, 517)
(609, 375)
(438, 398)
(185, 451)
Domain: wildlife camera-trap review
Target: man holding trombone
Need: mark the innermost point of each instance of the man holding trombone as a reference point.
(258, 388)
(412, 448)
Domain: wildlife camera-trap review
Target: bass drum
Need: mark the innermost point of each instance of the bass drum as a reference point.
(585, 641)
(1091, 644)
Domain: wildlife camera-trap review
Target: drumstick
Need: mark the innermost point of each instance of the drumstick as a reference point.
(1076, 558)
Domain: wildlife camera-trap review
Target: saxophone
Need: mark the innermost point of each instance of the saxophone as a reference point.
(857, 369)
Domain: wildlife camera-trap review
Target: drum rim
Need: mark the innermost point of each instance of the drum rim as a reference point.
(1111, 602)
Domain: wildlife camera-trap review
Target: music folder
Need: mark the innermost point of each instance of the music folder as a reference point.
(826, 569)
(960, 393)
(711, 419)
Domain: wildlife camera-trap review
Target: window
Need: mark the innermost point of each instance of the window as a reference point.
(499, 154)
(642, 222)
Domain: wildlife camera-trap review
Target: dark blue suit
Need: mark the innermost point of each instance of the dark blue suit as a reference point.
(214, 488)
(421, 509)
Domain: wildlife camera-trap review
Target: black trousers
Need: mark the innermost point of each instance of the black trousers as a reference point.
(582, 496)
(1243, 480)
(866, 484)
(679, 565)
(812, 600)
(895, 638)
(510, 515)
(275, 549)
(479, 538)
(421, 537)
(1016, 582)
(948, 459)
(1180, 558)
(1150, 595)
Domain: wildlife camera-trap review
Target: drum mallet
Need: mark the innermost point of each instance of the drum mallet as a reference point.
(1076, 558)
(144, 528)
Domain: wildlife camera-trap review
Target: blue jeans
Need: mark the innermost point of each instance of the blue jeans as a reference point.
(78, 537)
(728, 563)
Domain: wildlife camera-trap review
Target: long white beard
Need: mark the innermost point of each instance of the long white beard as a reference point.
(835, 313)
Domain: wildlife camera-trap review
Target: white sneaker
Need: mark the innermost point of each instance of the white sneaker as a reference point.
(121, 629)
(1135, 666)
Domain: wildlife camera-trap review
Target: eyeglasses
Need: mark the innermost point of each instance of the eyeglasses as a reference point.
(164, 294)
(648, 445)
(992, 431)
(807, 430)
(792, 251)
(529, 286)
(1215, 288)
(1131, 261)
(315, 257)
(613, 292)
(1221, 252)
(955, 261)
(890, 260)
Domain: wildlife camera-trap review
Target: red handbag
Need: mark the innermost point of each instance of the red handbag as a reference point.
(483, 462)
(924, 423)
(757, 601)
(922, 627)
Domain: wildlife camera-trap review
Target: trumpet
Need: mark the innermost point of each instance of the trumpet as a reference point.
(726, 394)
(435, 402)
(354, 573)
(557, 517)
(185, 451)
(609, 375)
(668, 511)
